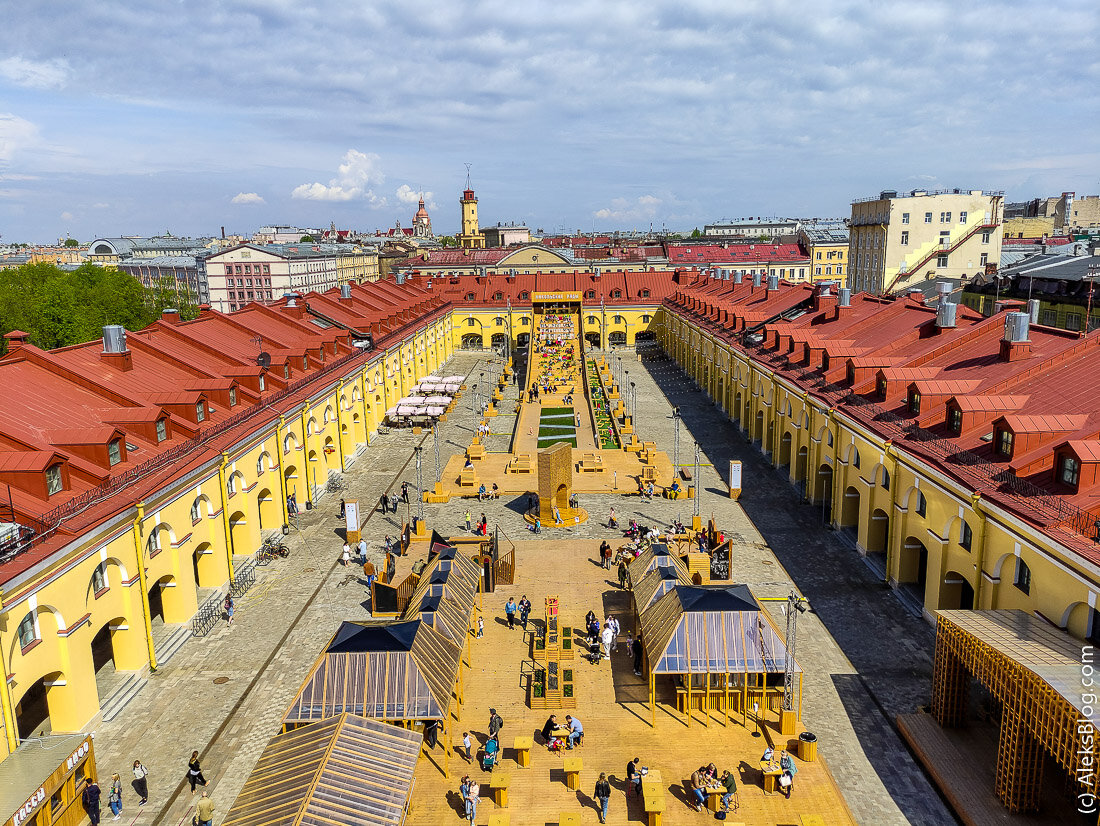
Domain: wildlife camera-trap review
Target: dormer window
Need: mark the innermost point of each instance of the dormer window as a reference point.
(162, 429)
(1005, 440)
(644, 294)
(914, 403)
(851, 374)
(53, 479)
(200, 412)
(590, 294)
(524, 295)
(114, 451)
(498, 296)
(286, 371)
(1070, 472)
(955, 420)
(232, 396)
(262, 383)
(825, 361)
(616, 293)
(305, 361)
(881, 387)
(470, 296)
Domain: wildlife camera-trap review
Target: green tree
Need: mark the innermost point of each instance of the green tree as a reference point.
(71, 242)
(696, 234)
(306, 239)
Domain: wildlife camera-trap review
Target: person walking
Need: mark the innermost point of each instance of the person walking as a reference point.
(469, 526)
(480, 627)
(510, 611)
(405, 492)
(467, 744)
(603, 795)
(194, 772)
(473, 797)
(383, 503)
(345, 555)
(393, 502)
(370, 573)
(205, 809)
(614, 625)
(114, 796)
(361, 547)
(789, 771)
(496, 723)
(524, 610)
(343, 508)
(623, 573)
(90, 798)
(612, 522)
(607, 637)
(141, 782)
(637, 650)
(229, 606)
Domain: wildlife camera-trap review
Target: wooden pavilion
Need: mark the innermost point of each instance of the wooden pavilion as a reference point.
(719, 645)
(648, 587)
(343, 771)
(405, 673)
(1043, 680)
(447, 597)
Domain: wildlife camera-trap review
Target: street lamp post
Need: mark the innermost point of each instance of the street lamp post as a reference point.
(634, 407)
(474, 400)
(675, 440)
(795, 605)
(419, 491)
(695, 478)
(435, 439)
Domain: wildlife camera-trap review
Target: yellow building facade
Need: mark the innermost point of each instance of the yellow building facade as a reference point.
(101, 596)
(932, 537)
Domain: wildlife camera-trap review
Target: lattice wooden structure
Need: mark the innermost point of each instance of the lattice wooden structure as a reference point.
(1035, 671)
(548, 686)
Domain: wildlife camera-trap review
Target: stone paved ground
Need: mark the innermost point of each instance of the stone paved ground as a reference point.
(856, 681)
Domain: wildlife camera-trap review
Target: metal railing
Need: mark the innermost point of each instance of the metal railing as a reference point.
(206, 618)
(244, 579)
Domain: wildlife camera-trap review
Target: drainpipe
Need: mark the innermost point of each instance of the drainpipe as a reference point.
(8, 707)
(143, 583)
(979, 509)
(895, 481)
(282, 479)
(305, 455)
(340, 425)
(226, 529)
(363, 403)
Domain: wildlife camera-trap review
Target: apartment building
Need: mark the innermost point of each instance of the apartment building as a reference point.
(903, 240)
(250, 272)
(828, 252)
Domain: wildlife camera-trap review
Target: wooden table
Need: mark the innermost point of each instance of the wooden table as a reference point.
(498, 788)
(572, 766)
(523, 746)
(771, 773)
(714, 797)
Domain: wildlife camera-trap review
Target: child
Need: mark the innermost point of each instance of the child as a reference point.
(629, 642)
(466, 744)
(480, 627)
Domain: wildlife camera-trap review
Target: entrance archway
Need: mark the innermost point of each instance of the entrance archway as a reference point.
(270, 515)
(913, 568)
(498, 341)
(785, 450)
(593, 340)
(800, 464)
(758, 430)
(472, 341)
(32, 711)
(956, 593)
(823, 486)
(561, 497)
(737, 407)
(616, 339)
(769, 443)
(849, 510)
(239, 540)
(208, 573)
(290, 480)
(522, 340)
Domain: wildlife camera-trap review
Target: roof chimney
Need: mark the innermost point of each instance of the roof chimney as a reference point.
(115, 351)
(171, 316)
(757, 278)
(291, 299)
(1033, 310)
(345, 292)
(845, 297)
(823, 295)
(945, 314)
(738, 276)
(943, 290)
(1015, 344)
(16, 339)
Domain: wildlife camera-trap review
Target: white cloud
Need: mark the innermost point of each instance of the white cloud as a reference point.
(41, 74)
(354, 179)
(66, 216)
(642, 208)
(15, 133)
(407, 195)
(246, 198)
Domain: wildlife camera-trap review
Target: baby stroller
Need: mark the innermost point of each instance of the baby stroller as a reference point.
(490, 756)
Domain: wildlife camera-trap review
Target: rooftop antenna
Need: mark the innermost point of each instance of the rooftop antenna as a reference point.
(467, 175)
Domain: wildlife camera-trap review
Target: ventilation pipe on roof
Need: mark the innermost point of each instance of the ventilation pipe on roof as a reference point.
(945, 315)
(1033, 310)
(345, 292)
(1016, 327)
(845, 297)
(114, 338)
(943, 290)
(738, 276)
(757, 278)
(399, 277)
(291, 299)
(773, 282)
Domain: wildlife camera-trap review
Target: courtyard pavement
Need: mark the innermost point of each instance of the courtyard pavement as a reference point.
(855, 681)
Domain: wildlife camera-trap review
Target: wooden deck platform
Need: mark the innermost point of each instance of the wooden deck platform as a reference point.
(961, 762)
(612, 704)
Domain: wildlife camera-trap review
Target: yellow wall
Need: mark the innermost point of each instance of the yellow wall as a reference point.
(620, 324)
(836, 460)
(157, 546)
(1028, 227)
(829, 262)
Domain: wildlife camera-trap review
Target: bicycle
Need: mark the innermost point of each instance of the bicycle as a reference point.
(334, 484)
(272, 549)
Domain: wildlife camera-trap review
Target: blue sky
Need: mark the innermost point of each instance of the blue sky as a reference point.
(126, 118)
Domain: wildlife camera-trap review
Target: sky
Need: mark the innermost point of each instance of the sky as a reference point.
(123, 118)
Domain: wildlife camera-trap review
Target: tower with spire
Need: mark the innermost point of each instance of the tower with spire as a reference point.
(422, 223)
(470, 237)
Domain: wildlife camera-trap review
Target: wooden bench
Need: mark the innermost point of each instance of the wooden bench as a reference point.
(685, 474)
(569, 819)
(468, 478)
(498, 788)
(590, 466)
(521, 464)
(475, 451)
(500, 819)
(523, 745)
(812, 820)
(654, 804)
(572, 766)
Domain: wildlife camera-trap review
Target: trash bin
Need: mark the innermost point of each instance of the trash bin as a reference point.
(691, 491)
(807, 747)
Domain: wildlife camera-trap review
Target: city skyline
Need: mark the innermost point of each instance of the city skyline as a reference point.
(594, 117)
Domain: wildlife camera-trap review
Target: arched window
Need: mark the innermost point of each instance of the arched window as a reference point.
(471, 321)
(922, 504)
(99, 579)
(196, 509)
(1022, 580)
(618, 319)
(231, 484)
(885, 479)
(966, 537)
(499, 321)
(855, 458)
(28, 631)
